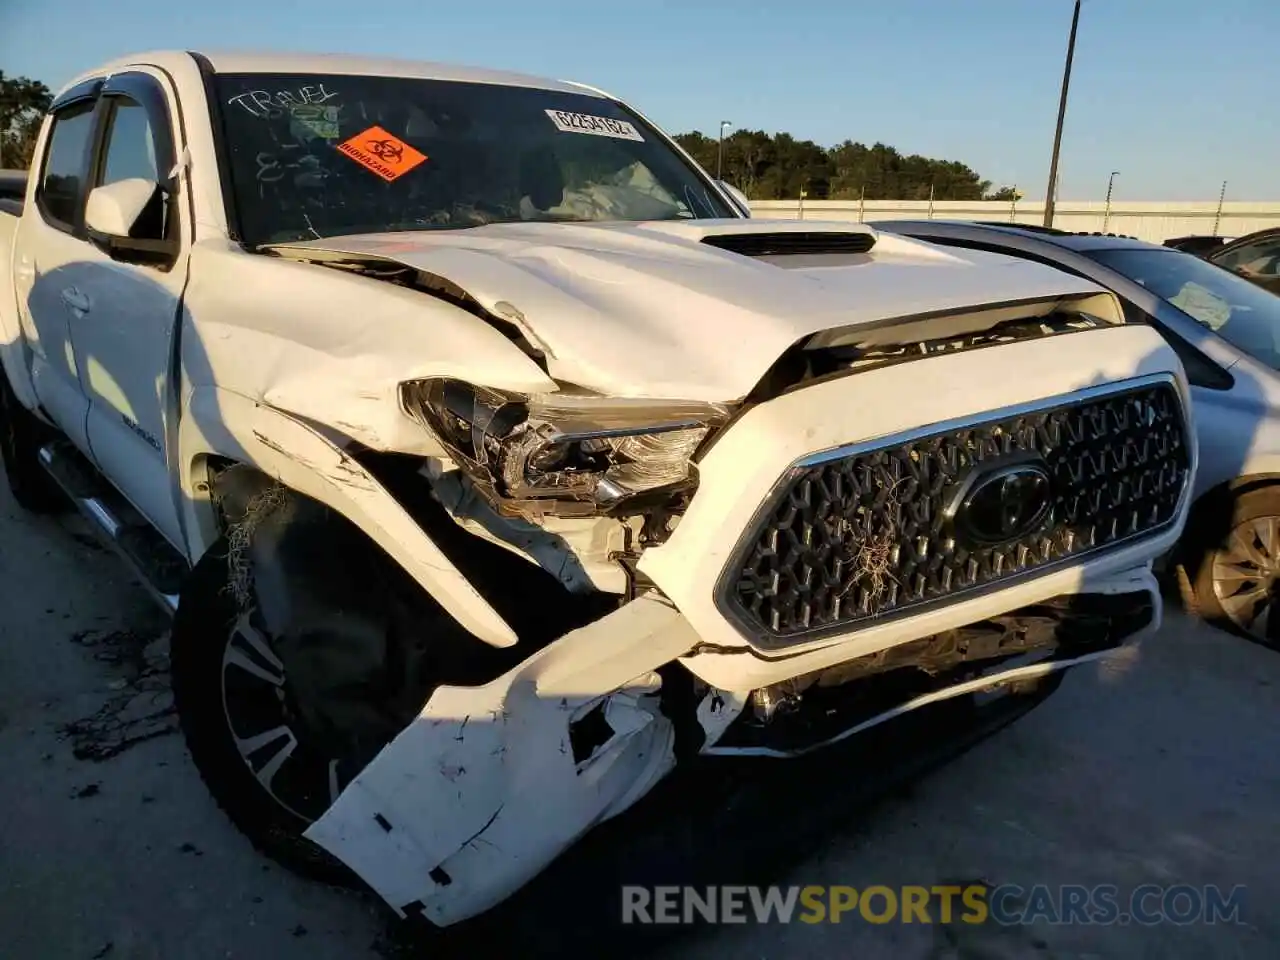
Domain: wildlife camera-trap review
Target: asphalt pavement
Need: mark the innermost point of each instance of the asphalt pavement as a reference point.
(1161, 768)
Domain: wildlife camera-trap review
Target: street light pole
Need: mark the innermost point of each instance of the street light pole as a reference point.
(1051, 194)
(720, 150)
(1106, 213)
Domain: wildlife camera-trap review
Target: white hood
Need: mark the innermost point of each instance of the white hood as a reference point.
(646, 309)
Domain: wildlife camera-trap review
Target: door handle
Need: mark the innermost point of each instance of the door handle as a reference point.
(77, 301)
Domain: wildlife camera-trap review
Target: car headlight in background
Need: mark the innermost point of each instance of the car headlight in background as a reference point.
(593, 451)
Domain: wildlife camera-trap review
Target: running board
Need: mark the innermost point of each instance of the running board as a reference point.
(155, 562)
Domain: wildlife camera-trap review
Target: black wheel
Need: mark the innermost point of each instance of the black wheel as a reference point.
(1230, 575)
(20, 437)
(296, 657)
(231, 690)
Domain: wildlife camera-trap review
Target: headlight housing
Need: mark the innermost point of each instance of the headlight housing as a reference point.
(578, 455)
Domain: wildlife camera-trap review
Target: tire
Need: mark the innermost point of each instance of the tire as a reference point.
(1229, 574)
(21, 435)
(202, 633)
(306, 630)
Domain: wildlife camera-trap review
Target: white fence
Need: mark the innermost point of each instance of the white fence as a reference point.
(1156, 222)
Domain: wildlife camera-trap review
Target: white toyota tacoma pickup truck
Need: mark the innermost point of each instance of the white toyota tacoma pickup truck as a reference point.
(494, 461)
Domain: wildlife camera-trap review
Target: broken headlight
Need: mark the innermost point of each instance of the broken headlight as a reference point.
(564, 447)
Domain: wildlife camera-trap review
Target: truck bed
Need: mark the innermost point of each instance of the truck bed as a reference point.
(13, 190)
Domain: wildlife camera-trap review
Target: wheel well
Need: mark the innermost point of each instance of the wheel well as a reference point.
(1251, 482)
(1213, 499)
(1210, 519)
(534, 602)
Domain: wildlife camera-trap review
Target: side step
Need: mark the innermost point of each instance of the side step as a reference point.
(153, 559)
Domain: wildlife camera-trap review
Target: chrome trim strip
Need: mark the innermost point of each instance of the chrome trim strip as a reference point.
(101, 516)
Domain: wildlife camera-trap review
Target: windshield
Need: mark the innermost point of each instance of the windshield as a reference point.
(317, 156)
(1244, 315)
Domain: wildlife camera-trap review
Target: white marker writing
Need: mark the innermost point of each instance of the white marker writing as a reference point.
(262, 103)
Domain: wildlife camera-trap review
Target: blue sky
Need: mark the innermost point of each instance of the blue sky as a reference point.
(1178, 95)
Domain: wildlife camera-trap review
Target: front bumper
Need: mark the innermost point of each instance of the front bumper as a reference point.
(802, 715)
(742, 468)
(491, 783)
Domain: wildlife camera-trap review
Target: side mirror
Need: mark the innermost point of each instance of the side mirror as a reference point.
(113, 209)
(738, 196)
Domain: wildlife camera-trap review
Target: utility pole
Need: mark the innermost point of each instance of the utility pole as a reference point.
(1106, 213)
(931, 201)
(1013, 205)
(720, 150)
(862, 200)
(1051, 195)
(1217, 217)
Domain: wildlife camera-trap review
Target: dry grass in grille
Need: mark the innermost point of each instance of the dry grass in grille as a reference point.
(873, 555)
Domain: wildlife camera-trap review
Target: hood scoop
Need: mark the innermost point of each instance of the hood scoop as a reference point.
(793, 243)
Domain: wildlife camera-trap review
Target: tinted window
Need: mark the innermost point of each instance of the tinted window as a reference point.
(65, 164)
(131, 154)
(1242, 314)
(315, 156)
(1259, 259)
(131, 150)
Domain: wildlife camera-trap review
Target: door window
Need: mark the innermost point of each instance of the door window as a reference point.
(131, 154)
(1259, 259)
(61, 192)
(131, 149)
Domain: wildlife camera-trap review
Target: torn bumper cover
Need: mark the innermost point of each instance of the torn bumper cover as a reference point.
(490, 784)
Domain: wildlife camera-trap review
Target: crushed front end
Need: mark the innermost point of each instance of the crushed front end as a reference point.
(834, 552)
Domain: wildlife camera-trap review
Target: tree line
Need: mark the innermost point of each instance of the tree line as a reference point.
(23, 104)
(763, 166)
(779, 167)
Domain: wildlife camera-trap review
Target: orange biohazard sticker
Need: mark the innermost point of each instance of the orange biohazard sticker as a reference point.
(386, 155)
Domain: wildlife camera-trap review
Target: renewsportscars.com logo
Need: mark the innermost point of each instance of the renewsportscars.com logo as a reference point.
(975, 903)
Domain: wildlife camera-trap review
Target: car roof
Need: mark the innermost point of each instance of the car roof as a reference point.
(266, 61)
(1061, 238)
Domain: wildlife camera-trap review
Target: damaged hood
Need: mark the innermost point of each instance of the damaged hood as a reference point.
(650, 309)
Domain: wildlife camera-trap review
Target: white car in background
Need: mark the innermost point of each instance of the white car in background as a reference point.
(495, 463)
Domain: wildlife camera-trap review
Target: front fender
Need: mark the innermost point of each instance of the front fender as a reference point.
(220, 423)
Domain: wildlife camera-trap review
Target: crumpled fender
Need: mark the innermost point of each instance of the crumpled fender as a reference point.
(226, 424)
(481, 792)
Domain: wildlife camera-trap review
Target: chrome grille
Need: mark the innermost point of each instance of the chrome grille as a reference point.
(854, 536)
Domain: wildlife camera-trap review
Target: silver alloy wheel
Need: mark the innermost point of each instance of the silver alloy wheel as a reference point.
(261, 724)
(1245, 572)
